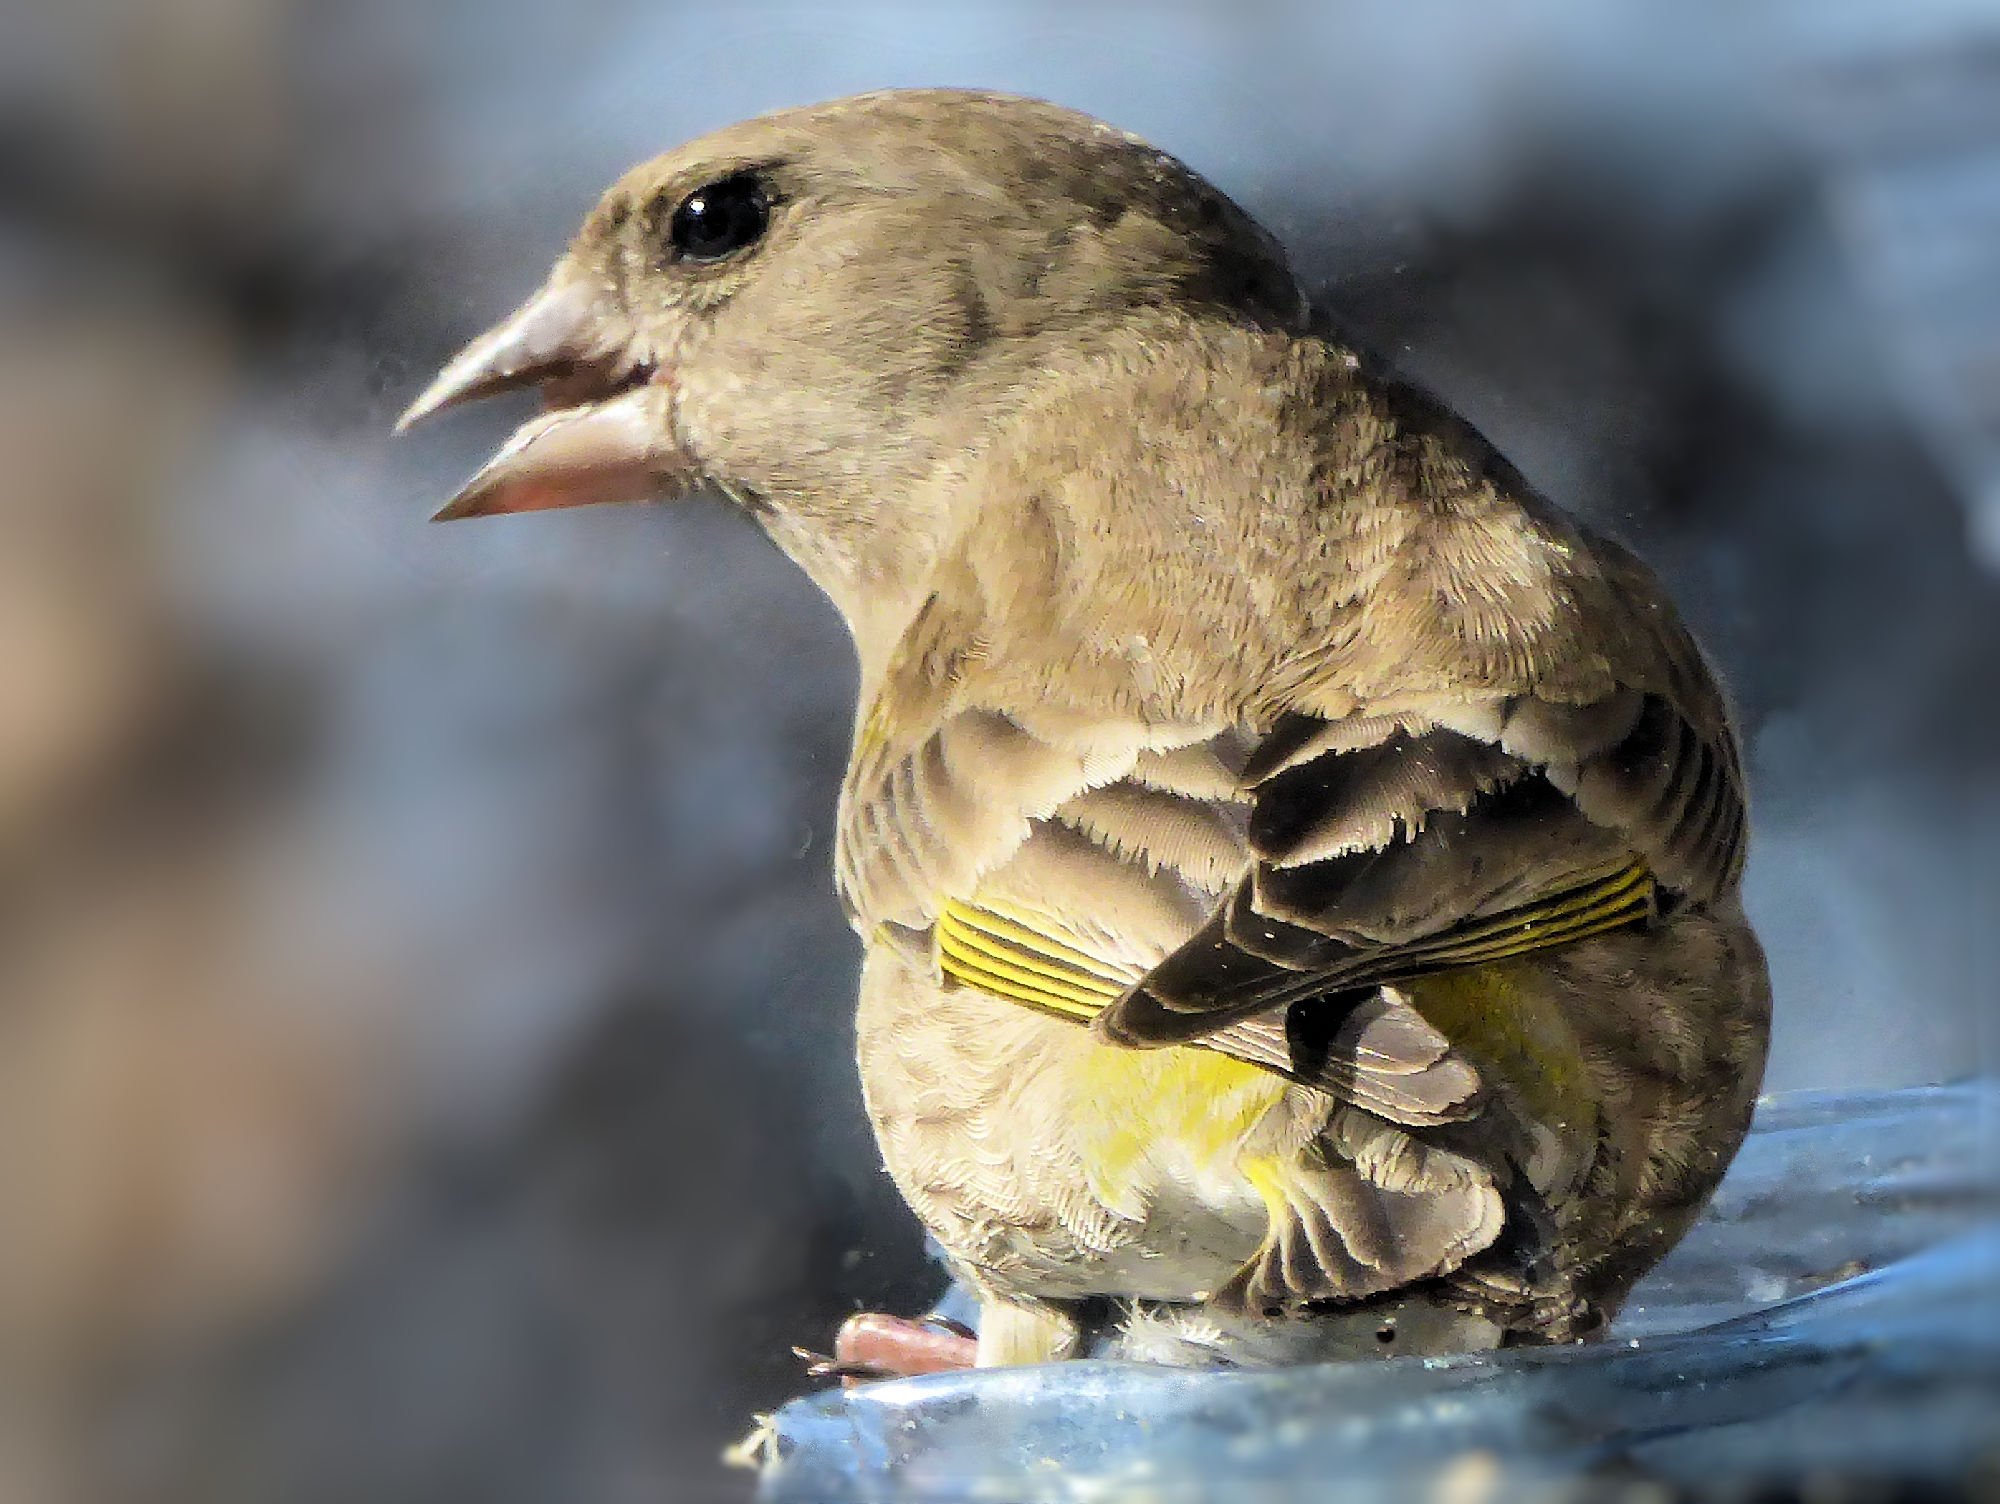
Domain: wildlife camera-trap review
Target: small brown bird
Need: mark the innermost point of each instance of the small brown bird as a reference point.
(1298, 867)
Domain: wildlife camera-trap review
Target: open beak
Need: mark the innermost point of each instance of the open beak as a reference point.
(607, 435)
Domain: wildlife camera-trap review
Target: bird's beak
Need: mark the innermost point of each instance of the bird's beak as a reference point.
(608, 434)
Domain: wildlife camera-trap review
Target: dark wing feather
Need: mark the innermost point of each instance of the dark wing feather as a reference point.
(1430, 849)
(1378, 1053)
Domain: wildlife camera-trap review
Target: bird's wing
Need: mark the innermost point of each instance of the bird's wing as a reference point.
(1065, 863)
(1054, 880)
(1463, 829)
(1381, 854)
(1391, 852)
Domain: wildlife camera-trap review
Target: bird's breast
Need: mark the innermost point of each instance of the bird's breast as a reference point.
(1053, 1164)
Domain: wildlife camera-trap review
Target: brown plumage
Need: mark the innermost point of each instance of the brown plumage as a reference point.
(1298, 867)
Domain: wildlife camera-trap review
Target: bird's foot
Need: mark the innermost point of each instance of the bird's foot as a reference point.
(871, 1345)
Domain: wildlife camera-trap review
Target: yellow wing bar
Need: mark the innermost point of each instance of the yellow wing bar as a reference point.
(1004, 955)
(1620, 896)
(1013, 955)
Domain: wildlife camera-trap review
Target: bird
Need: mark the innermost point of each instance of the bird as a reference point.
(1298, 867)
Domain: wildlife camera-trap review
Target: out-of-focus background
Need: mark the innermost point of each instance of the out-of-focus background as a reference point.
(423, 1011)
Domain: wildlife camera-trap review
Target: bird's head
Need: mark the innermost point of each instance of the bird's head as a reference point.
(798, 309)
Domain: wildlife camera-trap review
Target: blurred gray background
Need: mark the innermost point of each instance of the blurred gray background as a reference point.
(424, 1015)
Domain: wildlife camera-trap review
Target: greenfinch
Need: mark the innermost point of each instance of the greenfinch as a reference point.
(1298, 867)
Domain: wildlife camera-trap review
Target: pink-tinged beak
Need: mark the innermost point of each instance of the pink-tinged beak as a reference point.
(608, 434)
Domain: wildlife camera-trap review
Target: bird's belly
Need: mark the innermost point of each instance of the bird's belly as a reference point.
(1163, 1138)
(1056, 1166)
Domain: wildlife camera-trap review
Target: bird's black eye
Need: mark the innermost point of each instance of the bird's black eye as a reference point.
(720, 219)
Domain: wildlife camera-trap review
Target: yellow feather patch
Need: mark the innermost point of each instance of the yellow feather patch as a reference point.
(1033, 932)
(1006, 957)
(1141, 1111)
(1264, 1172)
(1135, 1110)
(1505, 1022)
(1623, 895)
(871, 735)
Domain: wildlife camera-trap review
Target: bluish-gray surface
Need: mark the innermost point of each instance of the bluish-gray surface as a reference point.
(1836, 1315)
